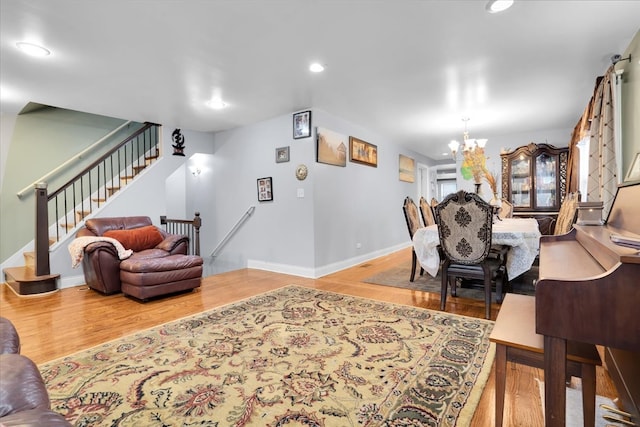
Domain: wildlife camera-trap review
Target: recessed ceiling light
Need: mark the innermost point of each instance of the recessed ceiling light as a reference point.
(217, 104)
(33, 49)
(316, 67)
(495, 6)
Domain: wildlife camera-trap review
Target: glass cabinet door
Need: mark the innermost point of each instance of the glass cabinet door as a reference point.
(546, 181)
(521, 182)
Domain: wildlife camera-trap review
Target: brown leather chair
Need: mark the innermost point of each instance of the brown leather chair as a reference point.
(24, 400)
(101, 264)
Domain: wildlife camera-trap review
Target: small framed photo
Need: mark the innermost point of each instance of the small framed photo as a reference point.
(633, 174)
(302, 125)
(282, 154)
(362, 152)
(265, 190)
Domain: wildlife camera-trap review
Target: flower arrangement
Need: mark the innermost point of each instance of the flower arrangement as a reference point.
(492, 181)
(474, 165)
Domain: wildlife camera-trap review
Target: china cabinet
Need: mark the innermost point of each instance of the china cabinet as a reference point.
(534, 178)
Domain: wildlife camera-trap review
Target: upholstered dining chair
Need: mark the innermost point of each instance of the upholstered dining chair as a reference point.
(413, 223)
(427, 212)
(567, 214)
(506, 210)
(464, 228)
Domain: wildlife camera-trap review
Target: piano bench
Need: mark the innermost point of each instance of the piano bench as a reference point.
(514, 334)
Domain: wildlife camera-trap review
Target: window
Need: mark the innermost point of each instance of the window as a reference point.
(583, 146)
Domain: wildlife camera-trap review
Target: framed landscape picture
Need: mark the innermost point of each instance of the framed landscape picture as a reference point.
(331, 147)
(362, 152)
(265, 189)
(407, 168)
(302, 125)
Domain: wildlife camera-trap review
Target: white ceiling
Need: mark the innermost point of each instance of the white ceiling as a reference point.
(408, 70)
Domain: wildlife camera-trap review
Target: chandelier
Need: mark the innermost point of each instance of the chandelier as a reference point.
(469, 145)
(474, 163)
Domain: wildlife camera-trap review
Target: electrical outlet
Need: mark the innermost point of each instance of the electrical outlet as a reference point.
(358, 245)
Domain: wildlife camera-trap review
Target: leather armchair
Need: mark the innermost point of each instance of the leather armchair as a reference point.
(101, 264)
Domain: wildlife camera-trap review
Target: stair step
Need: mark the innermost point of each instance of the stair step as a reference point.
(112, 190)
(80, 215)
(138, 169)
(24, 281)
(99, 199)
(68, 226)
(126, 178)
(29, 258)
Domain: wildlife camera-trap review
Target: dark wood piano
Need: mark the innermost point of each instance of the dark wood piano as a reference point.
(589, 291)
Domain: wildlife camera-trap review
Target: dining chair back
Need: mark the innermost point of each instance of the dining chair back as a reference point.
(465, 223)
(506, 210)
(567, 214)
(427, 212)
(412, 218)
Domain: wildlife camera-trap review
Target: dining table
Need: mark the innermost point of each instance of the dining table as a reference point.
(522, 235)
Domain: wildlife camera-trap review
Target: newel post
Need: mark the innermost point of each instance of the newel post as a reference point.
(197, 222)
(42, 232)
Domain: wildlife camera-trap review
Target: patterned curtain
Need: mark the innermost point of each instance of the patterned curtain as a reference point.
(603, 182)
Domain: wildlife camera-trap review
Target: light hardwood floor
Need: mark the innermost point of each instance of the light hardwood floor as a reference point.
(73, 319)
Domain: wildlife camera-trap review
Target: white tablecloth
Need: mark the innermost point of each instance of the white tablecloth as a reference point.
(521, 234)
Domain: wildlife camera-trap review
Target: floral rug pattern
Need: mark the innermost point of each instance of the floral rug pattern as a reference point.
(291, 357)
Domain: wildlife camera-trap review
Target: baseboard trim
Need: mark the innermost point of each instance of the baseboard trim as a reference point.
(314, 273)
(71, 281)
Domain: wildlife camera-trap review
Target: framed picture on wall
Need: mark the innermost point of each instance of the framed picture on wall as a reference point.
(265, 189)
(331, 147)
(302, 125)
(282, 154)
(362, 152)
(407, 168)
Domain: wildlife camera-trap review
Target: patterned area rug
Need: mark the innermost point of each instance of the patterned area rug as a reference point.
(293, 356)
(399, 278)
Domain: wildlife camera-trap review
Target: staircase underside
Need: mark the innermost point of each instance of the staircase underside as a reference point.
(24, 281)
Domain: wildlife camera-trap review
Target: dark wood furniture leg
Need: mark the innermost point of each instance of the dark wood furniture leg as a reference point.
(501, 380)
(555, 372)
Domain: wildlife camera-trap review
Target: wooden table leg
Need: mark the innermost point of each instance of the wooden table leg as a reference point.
(501, 377)
(555, 372)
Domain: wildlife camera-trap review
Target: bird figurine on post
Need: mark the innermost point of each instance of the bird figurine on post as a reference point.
(178, 139)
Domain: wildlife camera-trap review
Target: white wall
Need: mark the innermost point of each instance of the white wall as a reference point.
(310, 235)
